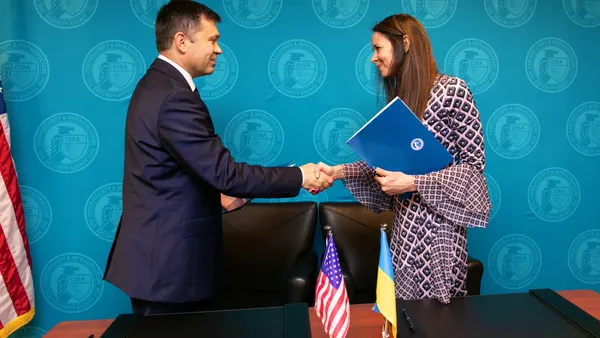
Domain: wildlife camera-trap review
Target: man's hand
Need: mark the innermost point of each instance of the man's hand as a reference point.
(230, 203)
(312, 183)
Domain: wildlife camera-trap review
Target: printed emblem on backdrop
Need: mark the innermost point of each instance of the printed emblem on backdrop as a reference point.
(66, 13)
(332, 131)
(431, 13)
(103, 210)
(38, 213)
(24, 70)
(513, 131)
(71, 282)
(112, 68)
(494, 193)
(340, 13)
(585, 13)
(297, 68)
(554, 194)
(366, 71)
(254, 136)
(224, 77)
(28, 332)
(252, 13)
(583, 128)
(66, 142)
(584, 257)
(515, 261)
(551, 65)
(146, 10)
(511, 13)
(475, 62)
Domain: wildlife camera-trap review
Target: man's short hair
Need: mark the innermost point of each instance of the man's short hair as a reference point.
(180, 16)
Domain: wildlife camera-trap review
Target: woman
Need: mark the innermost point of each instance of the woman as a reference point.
(428, 244)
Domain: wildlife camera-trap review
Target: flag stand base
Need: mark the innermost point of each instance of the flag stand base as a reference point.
(385, 331)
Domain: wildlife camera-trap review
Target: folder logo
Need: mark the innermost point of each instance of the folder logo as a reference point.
(417, 144)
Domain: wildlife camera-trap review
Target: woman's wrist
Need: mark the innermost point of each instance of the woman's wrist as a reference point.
(338, 172)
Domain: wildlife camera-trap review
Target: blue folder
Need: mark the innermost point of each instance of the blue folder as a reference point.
(395, 140)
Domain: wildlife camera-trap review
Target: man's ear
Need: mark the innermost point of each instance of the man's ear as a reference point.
(180, 42)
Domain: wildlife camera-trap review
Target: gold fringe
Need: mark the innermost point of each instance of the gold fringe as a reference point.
(17, 323)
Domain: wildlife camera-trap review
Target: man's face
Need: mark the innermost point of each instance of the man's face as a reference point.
(202, 53)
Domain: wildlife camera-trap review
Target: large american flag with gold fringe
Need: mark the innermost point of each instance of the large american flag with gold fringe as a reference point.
(16, 282)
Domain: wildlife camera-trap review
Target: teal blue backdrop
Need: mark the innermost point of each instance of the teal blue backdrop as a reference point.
(69, 68)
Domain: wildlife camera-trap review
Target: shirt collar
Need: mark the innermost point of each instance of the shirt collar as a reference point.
(183, 72)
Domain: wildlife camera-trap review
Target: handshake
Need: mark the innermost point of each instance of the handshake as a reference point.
(318, 177)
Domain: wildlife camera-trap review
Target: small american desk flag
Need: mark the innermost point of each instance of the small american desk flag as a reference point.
(16, 284)
(331, 299)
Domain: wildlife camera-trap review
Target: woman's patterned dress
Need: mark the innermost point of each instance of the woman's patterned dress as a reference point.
(429, 244)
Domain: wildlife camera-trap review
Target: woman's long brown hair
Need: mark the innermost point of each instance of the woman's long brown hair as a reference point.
(412, 73)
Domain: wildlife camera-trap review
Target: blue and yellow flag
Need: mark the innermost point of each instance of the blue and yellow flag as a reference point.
(386, 294)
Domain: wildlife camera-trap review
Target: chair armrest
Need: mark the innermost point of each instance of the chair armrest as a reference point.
(474, 276)
(303, 278)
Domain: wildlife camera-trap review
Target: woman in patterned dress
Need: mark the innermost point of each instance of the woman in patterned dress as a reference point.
(428, 243)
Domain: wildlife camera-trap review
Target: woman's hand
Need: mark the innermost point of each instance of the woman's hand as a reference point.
(394, 182)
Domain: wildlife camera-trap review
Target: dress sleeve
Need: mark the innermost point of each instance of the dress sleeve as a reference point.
(359, 179)
(459, 192)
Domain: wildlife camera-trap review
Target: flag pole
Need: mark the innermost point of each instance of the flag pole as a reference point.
(385, 330)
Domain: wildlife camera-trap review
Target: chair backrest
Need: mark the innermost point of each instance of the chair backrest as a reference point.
(356, 232)
(262, 242)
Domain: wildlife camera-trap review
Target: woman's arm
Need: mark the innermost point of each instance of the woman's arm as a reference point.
(459, 192)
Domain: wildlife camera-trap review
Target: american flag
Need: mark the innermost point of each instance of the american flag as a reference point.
(331, 299)
(16, 283)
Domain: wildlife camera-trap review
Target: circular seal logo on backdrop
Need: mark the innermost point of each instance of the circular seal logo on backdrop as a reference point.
(38, 213)
(585, 13)
(513, 131)
(340, 13)
(510, 13)
(494, 194)
(431, 13)
(24, 70)
(28, 332)
(112, 68)
(146, 10)
(515, 261)
(554, 194)
(551, 65)
(222, 79)
(252, 14)
(254, 136)
(103, 209)
(583, 128)
(584, 257)
(297, 68)
(66, 13)
(66, 142)
(331, 132)
(366, 71)
(71, 282)
(475, 62)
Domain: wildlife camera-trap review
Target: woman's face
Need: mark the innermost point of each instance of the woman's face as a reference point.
(382, 53)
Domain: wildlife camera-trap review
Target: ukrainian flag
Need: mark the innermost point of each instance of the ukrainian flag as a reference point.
(386, 295)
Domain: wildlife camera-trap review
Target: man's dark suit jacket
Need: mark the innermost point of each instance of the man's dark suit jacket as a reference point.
(168, 244)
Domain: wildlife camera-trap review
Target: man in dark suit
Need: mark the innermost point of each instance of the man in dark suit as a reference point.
(166, 255)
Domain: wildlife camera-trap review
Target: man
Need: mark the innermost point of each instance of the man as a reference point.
(178, 175)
